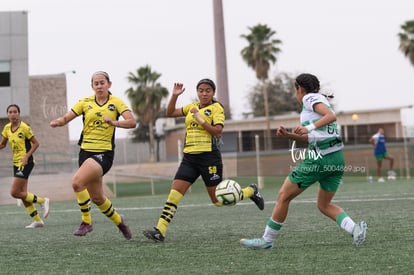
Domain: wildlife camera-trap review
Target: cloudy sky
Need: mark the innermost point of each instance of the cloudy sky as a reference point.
(352, 46)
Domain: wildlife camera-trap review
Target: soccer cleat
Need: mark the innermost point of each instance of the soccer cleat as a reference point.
(259, 243)
(359, 233)
(35, 225)
(381, 179)
(83, 229)
(154, 235)
(124, 229)
(45, 207)
(257, 197)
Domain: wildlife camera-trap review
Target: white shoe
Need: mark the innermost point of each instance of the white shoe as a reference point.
(36, 224)
(258, 243)
(359, 233)
(381, 179)
(45, 207)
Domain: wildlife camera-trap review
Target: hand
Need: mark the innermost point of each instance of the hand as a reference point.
(24, 161)
(54, 123)
(282, 132)
(108, 120)
(197, 116)
(178, 89)
(300, 130)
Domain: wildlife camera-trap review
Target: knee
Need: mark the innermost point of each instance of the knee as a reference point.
(16, 195)
(283, 197)
(76, 184)
(323, 208)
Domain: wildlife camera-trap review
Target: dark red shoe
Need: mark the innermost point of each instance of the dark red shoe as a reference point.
(83, 229)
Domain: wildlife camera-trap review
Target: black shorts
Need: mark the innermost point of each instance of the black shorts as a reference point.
(207, 165)
(105, 159)
(25, 173)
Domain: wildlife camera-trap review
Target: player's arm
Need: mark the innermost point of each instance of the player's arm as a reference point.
(63, 120)
(372, 141)
(327, 117)
(35, 145)
(128, 122)
(172, 110)
(283, 132)
(214, 130)
(3, 142)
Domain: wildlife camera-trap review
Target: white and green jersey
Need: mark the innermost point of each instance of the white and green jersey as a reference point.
(325, 139)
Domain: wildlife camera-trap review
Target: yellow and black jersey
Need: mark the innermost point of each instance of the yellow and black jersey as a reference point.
(97, 135)
(197, 139)
(19, 141)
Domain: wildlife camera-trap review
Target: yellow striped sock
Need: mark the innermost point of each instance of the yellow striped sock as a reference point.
(108, 210)
(84, 202)
(170, 208)
(31, 210)
(30, 197)
(247, 192)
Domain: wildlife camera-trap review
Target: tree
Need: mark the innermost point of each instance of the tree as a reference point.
(260, 52)
(281, 96)
(146, 96)
(407, 40)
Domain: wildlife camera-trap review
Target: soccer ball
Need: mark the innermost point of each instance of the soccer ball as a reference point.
(228, 192)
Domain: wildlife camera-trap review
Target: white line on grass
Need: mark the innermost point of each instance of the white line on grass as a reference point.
(240, 204)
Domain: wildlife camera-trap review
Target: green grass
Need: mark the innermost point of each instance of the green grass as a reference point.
(204, 239)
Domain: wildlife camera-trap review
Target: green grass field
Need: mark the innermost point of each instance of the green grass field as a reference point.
(203, 239)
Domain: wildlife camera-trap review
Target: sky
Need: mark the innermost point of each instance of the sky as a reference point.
(352, 46)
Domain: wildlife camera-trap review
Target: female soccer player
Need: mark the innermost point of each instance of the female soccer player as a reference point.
(23, 144)
(204, 121)
(100, 114)
(325, 164)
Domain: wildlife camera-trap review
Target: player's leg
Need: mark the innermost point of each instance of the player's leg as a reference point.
(391, 173)
(299, 179)
(252, 192)
(98, 197)
(345, 222)
(286, 194)
(30, 197)
(329, 184)
(186, 175)
(212, 174)
(89, 171)
(42, 201)
(18, 190)
(178, 189)
(333, 211)
(379, 168)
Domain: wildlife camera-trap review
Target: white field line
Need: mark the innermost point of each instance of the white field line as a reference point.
(372, 199)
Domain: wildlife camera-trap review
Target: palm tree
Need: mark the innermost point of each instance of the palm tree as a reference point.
(260, 52)
(146, 96)
(407, 40)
